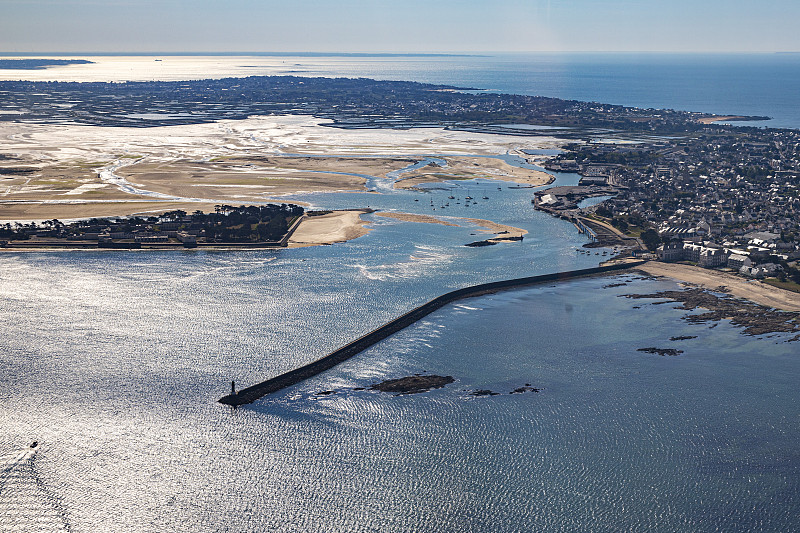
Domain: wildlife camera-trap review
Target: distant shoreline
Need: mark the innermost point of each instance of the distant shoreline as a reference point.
(731, 118)
(237, 54)
(39, 64)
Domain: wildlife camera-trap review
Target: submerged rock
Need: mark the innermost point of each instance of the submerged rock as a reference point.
(526, 388)
(484, 392)
(481, 243)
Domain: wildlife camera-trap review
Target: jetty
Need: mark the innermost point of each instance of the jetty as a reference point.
(293, 377)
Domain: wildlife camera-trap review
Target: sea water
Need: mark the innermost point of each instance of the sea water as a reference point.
(113, 363)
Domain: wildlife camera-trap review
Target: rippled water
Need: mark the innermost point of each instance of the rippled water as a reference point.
(113, 362)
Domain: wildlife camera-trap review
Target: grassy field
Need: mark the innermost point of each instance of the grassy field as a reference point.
(786, 285)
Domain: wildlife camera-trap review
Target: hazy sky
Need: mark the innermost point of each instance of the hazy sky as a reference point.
(398, 26)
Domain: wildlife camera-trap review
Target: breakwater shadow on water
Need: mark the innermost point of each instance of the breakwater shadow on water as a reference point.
(293, 377)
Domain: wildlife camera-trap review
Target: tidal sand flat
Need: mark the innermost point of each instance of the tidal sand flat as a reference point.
(258, 159)
(467, 168)
(412, 217)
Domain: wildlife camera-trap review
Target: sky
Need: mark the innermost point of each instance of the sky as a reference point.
(398, 26)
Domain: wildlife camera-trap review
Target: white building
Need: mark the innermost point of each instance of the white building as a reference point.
(737, 261)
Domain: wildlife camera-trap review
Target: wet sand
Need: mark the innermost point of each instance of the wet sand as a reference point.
(504, 232)
(258, 159)
(11, 212)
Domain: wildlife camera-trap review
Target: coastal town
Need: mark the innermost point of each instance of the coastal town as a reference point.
(724, 198)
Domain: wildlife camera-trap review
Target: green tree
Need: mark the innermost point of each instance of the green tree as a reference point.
(651, 239)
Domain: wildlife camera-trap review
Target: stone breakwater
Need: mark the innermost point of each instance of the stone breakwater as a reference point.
(293, 377)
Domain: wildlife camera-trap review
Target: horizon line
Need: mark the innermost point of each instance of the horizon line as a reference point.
(388, 54)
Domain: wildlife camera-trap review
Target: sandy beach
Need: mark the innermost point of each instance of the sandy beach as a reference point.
(752, 290)
(337, 226)
(711, 120)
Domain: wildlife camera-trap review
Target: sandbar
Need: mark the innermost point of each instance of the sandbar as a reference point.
(330, 228)
(412, 217)
(507, 232)
(467, 168)
(503, 231)
(752, 290)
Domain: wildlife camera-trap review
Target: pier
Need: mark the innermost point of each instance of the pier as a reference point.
(293, 377)
(583, 228)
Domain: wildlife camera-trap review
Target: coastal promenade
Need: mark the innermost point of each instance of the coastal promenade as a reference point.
(287, 379)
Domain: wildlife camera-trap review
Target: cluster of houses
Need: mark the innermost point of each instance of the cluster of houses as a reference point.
(146, 231)
(727, 198)
(246, 225)
(753, 256)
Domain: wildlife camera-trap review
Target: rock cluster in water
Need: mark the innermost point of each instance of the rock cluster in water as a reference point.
(660, 351)
(755, 319)
(413, 384)
(422, 383)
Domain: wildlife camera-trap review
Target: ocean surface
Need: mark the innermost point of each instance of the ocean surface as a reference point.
(113, 362)
(726, 84)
